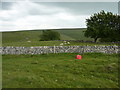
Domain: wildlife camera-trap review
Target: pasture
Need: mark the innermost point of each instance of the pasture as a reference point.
(31, 38)
(95, 70)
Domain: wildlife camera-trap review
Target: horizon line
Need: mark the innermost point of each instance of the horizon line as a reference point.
(43, 29)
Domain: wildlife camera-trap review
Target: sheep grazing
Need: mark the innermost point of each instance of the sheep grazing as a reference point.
(61, 44)
(64, 41)
(68, 42)
(28, 41)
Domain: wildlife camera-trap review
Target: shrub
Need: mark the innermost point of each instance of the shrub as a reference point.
(50, 35)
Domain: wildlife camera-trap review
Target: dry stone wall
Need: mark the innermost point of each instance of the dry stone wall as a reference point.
(59, 49)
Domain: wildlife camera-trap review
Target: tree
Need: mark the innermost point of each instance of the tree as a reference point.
(48, 35)
(103, 25)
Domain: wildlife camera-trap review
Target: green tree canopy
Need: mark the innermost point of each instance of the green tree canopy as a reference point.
(48, 35)
(103, 25)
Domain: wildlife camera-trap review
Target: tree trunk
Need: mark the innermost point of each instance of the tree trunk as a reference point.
(95, 39)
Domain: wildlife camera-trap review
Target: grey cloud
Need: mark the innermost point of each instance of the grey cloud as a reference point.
(39, 12)
(7, 5)
(84, 8)
(51, 14)
(6, 19)
(78, 8)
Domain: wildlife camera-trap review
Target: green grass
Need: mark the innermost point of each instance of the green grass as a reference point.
(52, 43)
(22, 38)
(95, 70)
(0, 39)
(75, 34)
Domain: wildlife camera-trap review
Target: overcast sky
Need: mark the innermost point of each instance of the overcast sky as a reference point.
(29, 15)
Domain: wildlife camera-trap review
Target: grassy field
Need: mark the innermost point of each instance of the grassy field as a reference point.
(0, 39)
(28, 38)
(21, 36)
(75, 34)
(95, 70)
(31, 38)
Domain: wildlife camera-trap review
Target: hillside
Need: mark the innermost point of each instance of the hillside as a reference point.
(22, 38)
(35, 35)
(75, 34)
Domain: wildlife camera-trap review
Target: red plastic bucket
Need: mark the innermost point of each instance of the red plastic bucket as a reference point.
(78, 57)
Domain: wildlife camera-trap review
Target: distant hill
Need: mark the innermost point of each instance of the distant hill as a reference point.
(76, 34)
(34, 35)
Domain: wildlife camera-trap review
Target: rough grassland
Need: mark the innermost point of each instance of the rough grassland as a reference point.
(23, 36)
(95, 70)
(31, 38)
(75, 34)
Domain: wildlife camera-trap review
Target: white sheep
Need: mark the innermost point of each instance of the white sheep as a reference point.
(61, 44)
(68, 42)
(28, 41)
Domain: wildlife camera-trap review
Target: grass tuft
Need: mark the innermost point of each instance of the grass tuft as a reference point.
(95, 70)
